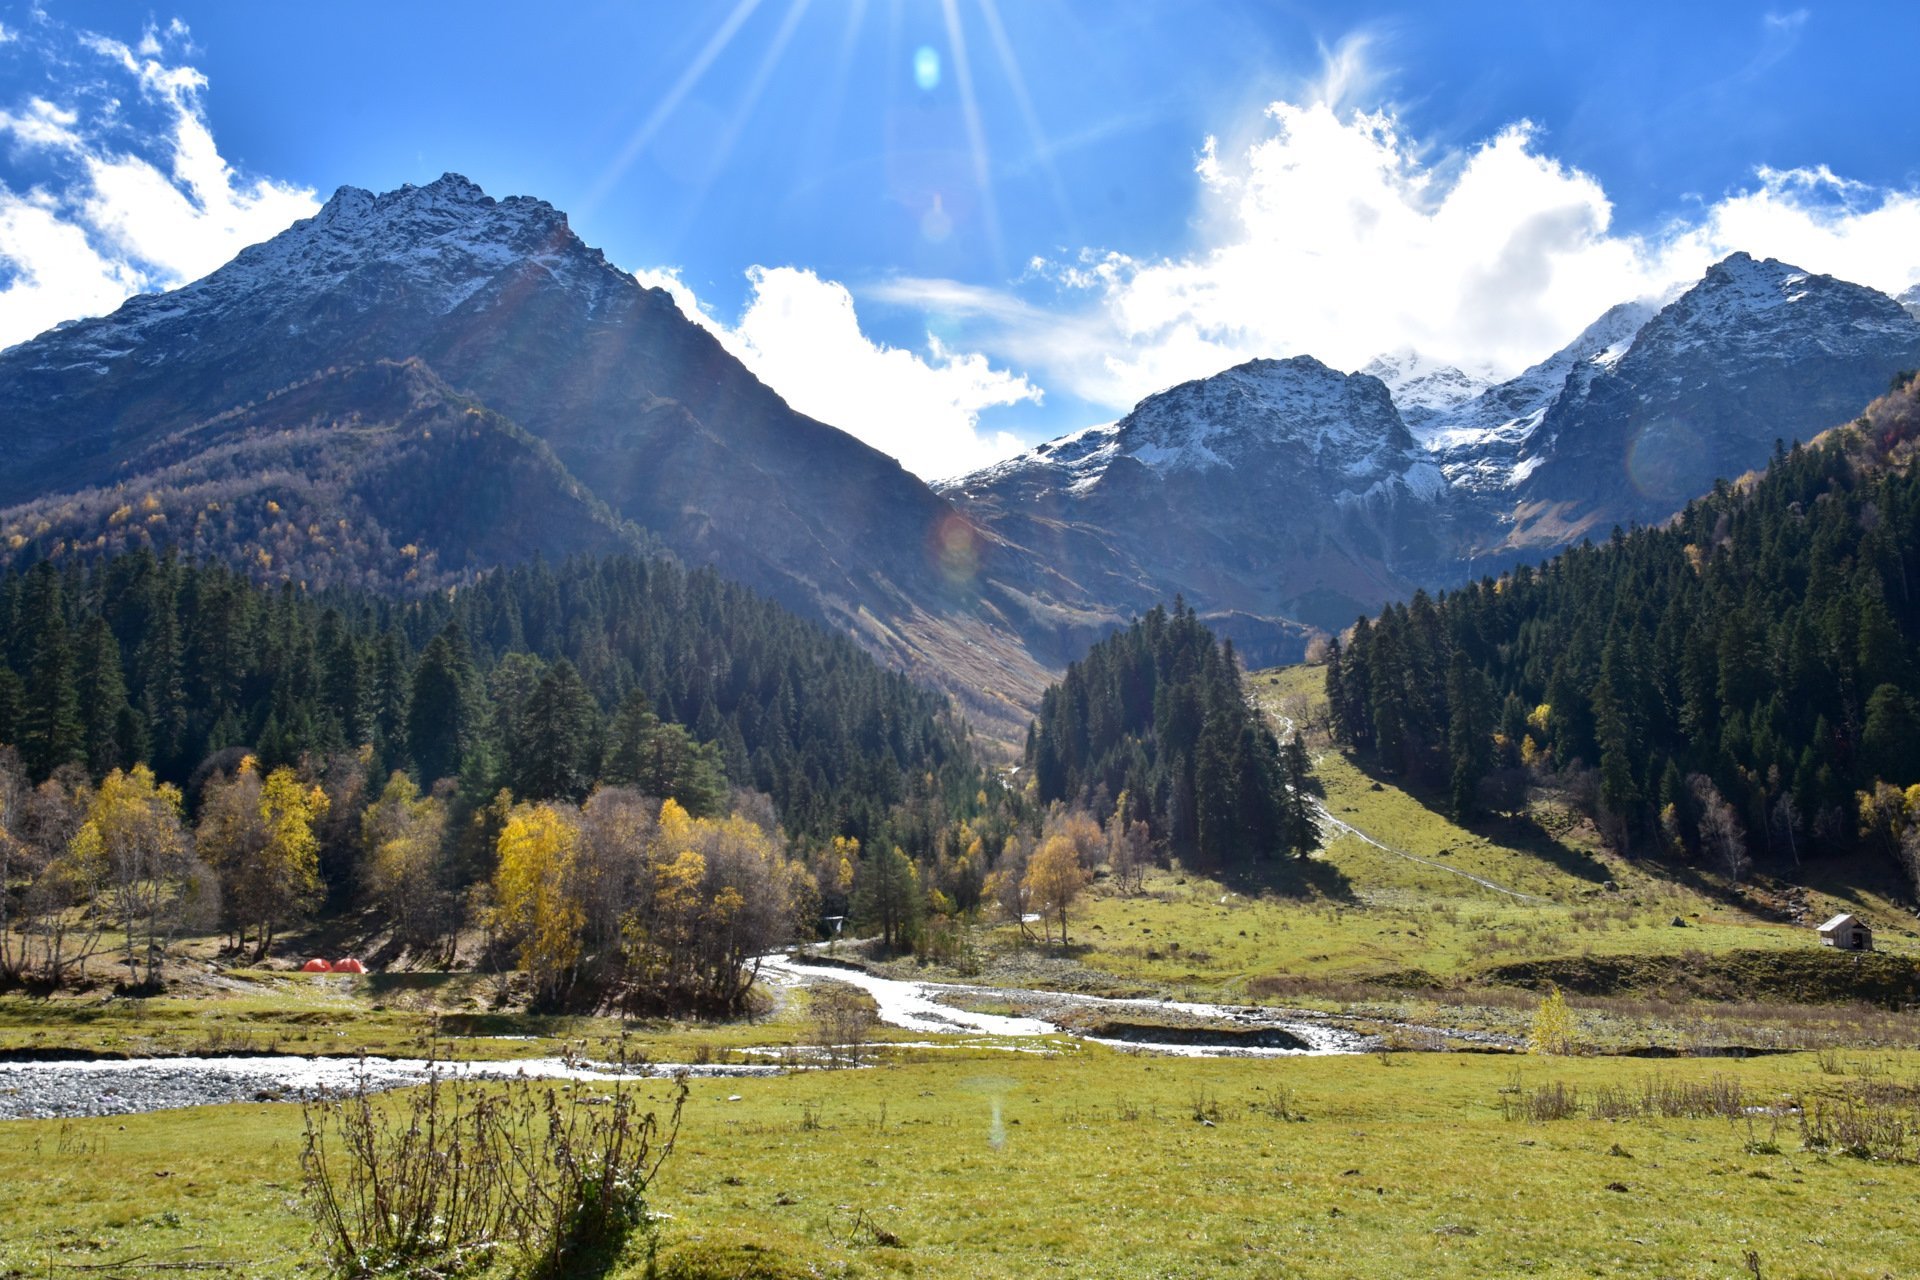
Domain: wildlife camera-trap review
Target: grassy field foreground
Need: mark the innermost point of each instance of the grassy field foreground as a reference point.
(1101, 1164)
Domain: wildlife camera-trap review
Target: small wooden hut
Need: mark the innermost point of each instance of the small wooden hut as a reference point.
(1846, 932)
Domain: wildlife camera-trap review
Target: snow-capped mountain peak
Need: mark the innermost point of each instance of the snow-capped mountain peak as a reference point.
(1760, 307)
(418, 250)
(1343, 426)
(1424, 388)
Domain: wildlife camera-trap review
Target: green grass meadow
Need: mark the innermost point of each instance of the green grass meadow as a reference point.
(1098, 1164)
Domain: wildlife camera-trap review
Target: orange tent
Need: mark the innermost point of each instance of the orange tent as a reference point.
(316, 965)
(349, 965)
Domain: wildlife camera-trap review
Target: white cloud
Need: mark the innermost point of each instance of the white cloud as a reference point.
(109, 216)
(801, 335)
(1331, 233)
(59, 275)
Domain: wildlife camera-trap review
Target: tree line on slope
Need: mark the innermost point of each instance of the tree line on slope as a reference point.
(1739, 684)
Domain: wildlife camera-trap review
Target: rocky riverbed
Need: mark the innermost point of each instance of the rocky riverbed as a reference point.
(110, 1087)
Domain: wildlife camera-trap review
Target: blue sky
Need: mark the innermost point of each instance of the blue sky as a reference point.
(956, 226)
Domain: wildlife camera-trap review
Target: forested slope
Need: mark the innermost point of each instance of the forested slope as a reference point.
(540, 679)
(1741, 683)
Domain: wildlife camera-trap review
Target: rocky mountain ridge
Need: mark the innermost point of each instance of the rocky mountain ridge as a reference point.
(408, 387)
(1413, 473)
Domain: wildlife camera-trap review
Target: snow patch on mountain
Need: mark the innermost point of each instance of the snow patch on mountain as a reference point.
(1911, 301)
(1478, 443)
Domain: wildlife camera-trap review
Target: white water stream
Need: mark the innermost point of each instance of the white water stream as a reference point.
(925, 1006)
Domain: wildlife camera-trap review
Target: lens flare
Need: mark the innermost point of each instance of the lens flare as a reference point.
(936, 224)
(926, 68)
(956, 549)
(1661, 452)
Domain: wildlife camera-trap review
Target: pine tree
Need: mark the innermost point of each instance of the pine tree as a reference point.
(559, 754)
(53, 733)
(439, 715)
(109, 739)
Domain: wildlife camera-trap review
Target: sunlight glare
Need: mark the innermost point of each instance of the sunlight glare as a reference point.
(926, 68)
(669, 104)
(1010, 68)
(976, 132)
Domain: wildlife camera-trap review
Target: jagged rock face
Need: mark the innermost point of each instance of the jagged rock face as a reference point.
(639, 405)
(1911, 301)
(1479, 442)
(1278, 490)
(1758, 351)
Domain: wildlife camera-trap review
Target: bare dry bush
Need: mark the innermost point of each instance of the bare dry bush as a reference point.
(843, 1017)
(551, 1178)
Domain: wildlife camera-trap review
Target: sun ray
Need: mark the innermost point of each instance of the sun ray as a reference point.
(1017, 81)
(662, 111)
(796, 10)
(976, 134)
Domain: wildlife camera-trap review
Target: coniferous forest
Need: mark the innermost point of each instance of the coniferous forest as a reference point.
(1157, 713)
(538, 679)
(1738, 685)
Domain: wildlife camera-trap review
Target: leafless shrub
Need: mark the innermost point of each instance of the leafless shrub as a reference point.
(551, 1176)
(843, 1017)
(1866, 1124)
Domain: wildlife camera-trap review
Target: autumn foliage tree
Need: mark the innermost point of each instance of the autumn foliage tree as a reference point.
(669, 908)
(133, 841)
(258, 835)
(405, 837)
(536, 895)
(1055, 876)
(720, 893)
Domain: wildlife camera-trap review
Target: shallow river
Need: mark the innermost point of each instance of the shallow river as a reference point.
(1232, 1031)
(125, 1086)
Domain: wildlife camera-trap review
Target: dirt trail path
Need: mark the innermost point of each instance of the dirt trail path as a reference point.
(1329, 823)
